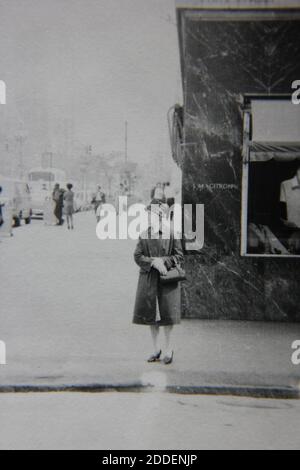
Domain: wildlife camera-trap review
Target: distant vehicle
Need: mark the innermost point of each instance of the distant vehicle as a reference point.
(82, 200)
(18, 194)
(41, 183)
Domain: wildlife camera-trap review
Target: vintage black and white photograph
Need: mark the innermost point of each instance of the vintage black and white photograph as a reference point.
(272, 176)
(149, 227)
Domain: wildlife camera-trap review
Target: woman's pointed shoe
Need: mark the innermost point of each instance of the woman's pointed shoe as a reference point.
(169, 359)
(154, 357)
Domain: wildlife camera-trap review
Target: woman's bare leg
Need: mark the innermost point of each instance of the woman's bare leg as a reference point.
(169, 349)
(154, 334)
(71, 219)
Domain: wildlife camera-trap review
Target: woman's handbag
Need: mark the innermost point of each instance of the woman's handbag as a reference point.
(175, 274)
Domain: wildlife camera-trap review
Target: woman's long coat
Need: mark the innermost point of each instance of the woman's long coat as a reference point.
(150, 292)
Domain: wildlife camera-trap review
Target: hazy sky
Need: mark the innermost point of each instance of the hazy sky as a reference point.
(98, 62)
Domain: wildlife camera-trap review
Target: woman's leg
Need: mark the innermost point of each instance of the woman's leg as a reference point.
(169, 349)
(68, 221)
(154, 334)
(71, 220)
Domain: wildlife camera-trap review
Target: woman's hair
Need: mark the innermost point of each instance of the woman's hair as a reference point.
(0, 189)
(69, 186)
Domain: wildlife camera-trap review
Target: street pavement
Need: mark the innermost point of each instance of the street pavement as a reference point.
(147, 421)
(66, 318)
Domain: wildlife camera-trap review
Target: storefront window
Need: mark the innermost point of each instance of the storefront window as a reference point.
(271, 178)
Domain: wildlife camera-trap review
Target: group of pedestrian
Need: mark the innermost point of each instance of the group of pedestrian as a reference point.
(64, 205)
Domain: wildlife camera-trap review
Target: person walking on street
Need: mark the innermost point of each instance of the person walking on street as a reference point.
(158, 304)
(170, 198)
(119, 193)
(169, 194)
(5, 213)
(100, 199)
(1, 205)
(57, 197)
(61, 206)
(69, 206)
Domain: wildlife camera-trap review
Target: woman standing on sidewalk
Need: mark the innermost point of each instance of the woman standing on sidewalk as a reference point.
(158, 304)
(69, 205)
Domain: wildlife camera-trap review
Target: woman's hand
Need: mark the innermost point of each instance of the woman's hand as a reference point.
(159, 265)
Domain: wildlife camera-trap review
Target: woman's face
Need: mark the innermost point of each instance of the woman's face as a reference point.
(158, 222)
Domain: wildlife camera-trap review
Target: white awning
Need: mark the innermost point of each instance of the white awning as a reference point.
(280, 151)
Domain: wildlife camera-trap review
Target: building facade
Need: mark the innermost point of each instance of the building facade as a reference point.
(239, 62)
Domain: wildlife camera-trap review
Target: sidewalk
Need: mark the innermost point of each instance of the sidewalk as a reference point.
(66, 318)
(236, 358)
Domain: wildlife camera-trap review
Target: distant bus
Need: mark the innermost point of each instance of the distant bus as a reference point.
(41, 182)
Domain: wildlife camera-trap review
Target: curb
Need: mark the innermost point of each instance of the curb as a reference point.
(274, 392)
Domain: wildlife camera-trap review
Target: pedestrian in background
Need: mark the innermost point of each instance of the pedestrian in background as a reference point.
(1, 205)
(57, 197)
(98, 199)
(68, 198)
(119, 193)
(5, 214)
(170, 198)
(169, 194)
(158, 304)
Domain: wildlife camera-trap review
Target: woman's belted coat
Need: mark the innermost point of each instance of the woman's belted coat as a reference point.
(151, 294)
